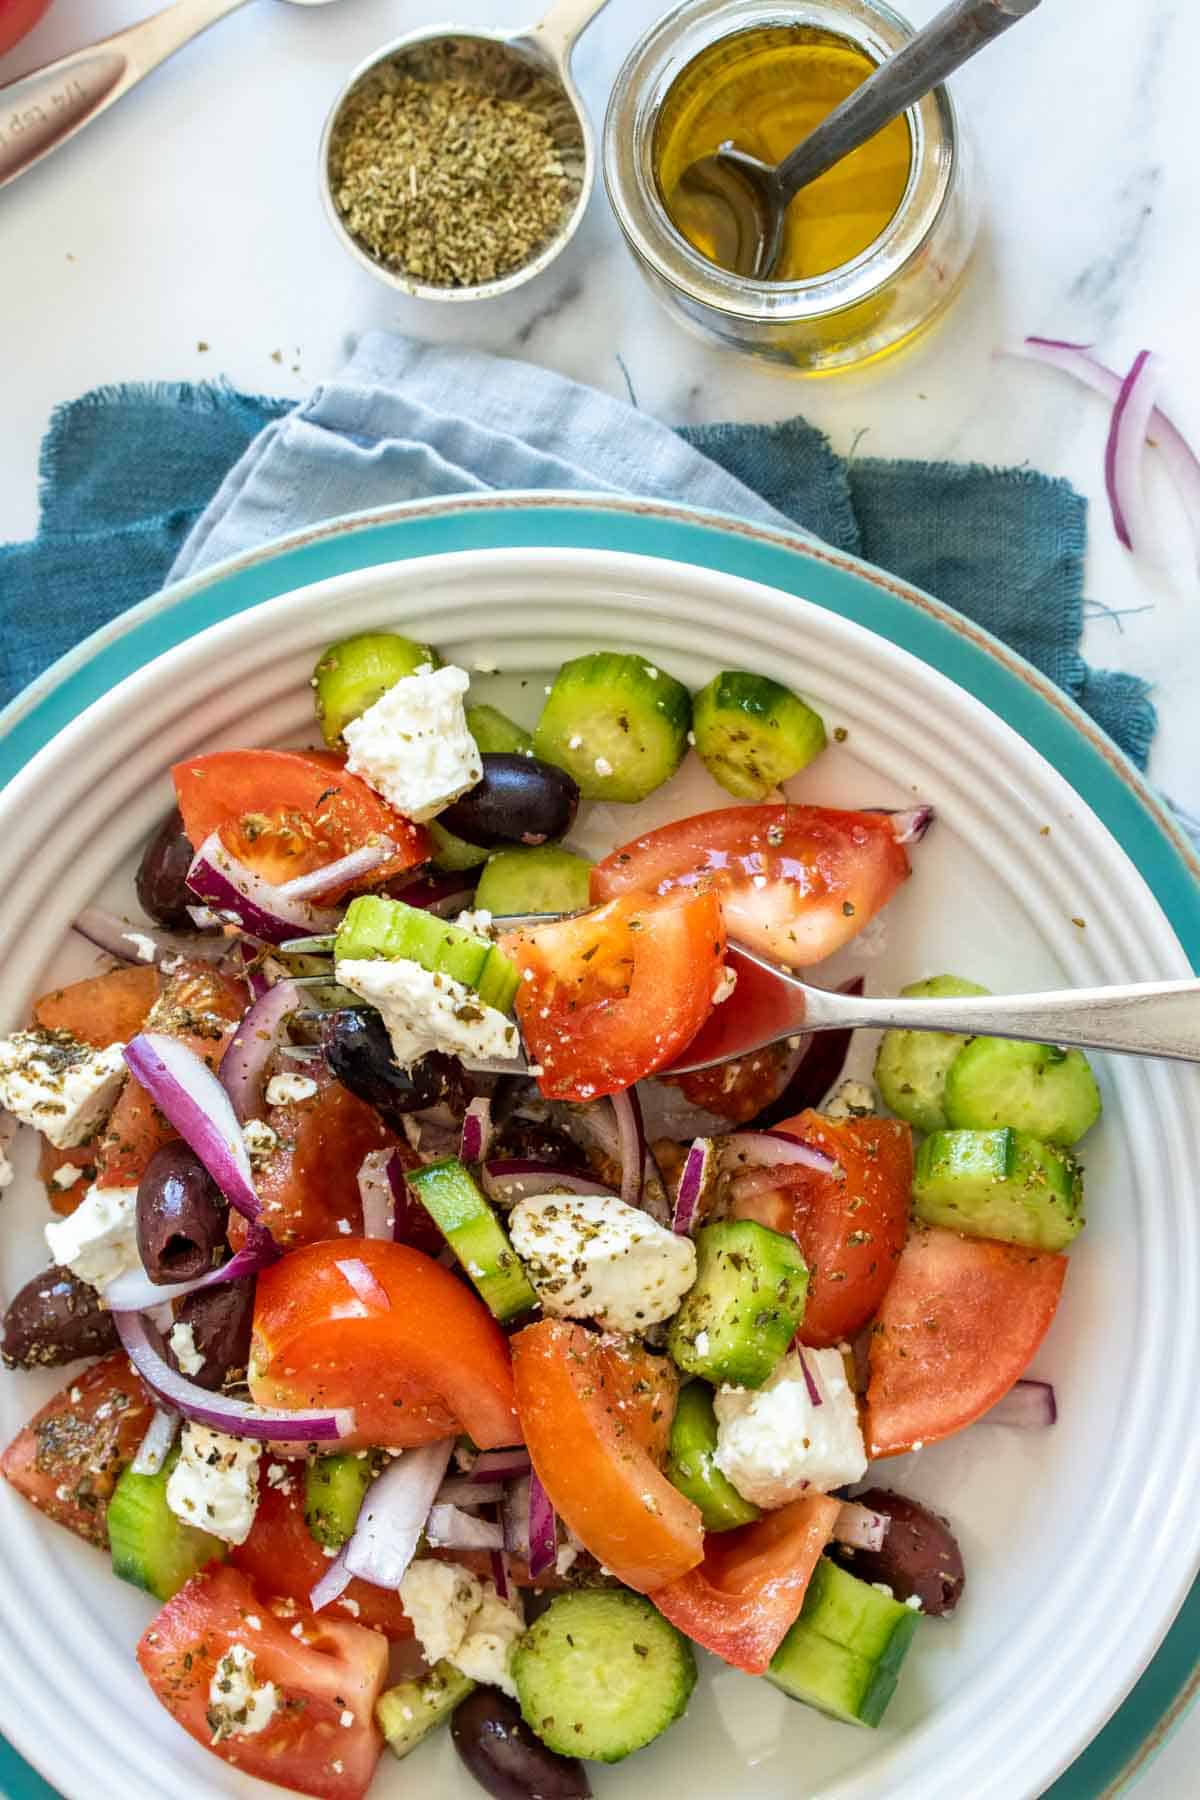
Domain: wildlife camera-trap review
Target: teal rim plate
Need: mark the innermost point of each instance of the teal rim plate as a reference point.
(976, 661)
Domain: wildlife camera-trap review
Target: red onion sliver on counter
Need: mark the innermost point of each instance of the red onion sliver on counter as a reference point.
(449, 1528)
(155, 1447)
(265, 911)
(814, 1392)
(365, 1283)
(1030, 1405)
(860, 1526)
(543, 1528)
(771, 1150)
(133, 1291)
(476, 1130)
(187, 1092)
(514, 1516)
(393, 1514)
(1124, 453)
(632, 1141)
(238, 1417)
(375, 1192)
(695, 1184)
(500, 1465)
(510, 1179)
(252, 1046)
(335, 874)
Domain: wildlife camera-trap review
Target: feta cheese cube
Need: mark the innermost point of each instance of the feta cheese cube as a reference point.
(773, 1442)
(65, 1089)
(289, 1090)
(590, 1256)
(239, 1705)
(183, 1343)
(851, 1100)
(485, 1651)
(214, 1485)
(425, 1011)
(441, 1599)
(98, 1241)
(413, 746)
(261, 1141)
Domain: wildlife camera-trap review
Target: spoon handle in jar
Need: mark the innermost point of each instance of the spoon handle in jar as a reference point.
(41, 110)
(949, 40)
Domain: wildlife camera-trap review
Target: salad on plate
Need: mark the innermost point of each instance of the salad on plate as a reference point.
(430, 1384)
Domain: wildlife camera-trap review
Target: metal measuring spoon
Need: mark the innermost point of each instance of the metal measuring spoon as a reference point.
(739, 204)
(41, 110)
(507, 63)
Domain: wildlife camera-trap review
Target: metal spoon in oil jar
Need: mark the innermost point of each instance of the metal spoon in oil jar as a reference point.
(738, 204)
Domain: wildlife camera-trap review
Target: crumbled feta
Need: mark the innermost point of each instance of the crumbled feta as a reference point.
(590, 1256)
(479, 923)
(441, 1599)
(289, 1090)
(485, 1651)
(772, 1442)
(238, 1705)
(279, 1476)
(426, 1011)
(65, 1089)
(726, 982)
(183, 1343)
(260, 1139)
(64, 1177)
(565, 1559)
(413, 746)
(145, 947)
(852, 1100)
(214, 1485)
(98, 1241)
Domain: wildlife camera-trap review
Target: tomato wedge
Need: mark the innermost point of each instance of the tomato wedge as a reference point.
(285, 813)
(425, 1360)
(743, 1598)
(851, 1225)
(321, 1738)
(796, 882)
(613, 995)
(958, 1326)
(590, 1455)
(104, 1009)
(67, 1459)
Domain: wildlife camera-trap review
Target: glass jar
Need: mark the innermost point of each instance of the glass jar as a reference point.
(867, 307)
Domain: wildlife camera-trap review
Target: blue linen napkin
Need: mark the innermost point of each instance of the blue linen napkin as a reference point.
(143, 484)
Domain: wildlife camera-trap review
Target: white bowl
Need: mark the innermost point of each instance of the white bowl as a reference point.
(1080, 1542)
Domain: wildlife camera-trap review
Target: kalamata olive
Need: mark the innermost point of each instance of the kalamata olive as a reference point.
(220, 1318)
(55, 1319)
(359, 1053)
(162, 875)
(505, 1757)
(920, 1555)
(527, 1140)
(518, 801)
(181, 1216)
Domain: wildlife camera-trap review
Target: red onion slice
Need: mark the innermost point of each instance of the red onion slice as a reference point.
(365, 1283)
(337, 874)
(860, 1526)
(908, 827)
(128, 943)
(771, 1150)
(375, 1192)
(499, 1574)
(476, 1130)
(134, 1291)
(510, 1179)
(543, 1528)
(514, 1516)
(500, 1465)
(632, 1144)
(333, 1582)
(187, 1092)
(393, 1514)
(460, 1490)
(228, 886)
(1029, 1405)
(696, 1183)
(237, 1417)
(449, 1528)
(814, 1393)
(1124, 453)
(252, 1046)
(155, 1447)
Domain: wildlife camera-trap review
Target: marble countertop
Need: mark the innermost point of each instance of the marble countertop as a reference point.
(190, 215)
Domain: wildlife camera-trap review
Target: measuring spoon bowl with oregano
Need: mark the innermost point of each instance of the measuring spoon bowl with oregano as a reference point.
(457, 164)
(40, 111)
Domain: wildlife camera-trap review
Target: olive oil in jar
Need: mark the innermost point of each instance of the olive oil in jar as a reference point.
(766, 88)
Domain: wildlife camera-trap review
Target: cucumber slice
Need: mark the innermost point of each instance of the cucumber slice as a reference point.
(497, 735)
(843, 1654)
(151, 1546)
(910, 1069)
(333, 1494)
(1034, 1087)
(616, 723)
(752, 733)
(541, 880)
(744, 1308)
(408, 1712)
(357, 671)
(690, 1466)
(601, 1674)
(454, 853)
(999, 1184)
(450, 1196)
(375, 926)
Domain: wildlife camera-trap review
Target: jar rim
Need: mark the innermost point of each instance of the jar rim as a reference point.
(645, 79)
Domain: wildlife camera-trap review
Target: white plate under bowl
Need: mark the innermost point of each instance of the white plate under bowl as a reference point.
(1079, 1542)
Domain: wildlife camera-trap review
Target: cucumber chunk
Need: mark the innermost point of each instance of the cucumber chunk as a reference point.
(454, 853)
(602, 1673)
(752, 733)
(690, 1466)
(375, 926)
(999, 1184)
(541, 880)
(497, 735)
(743, 1310)
(1034, 1087)
(357, 671)
(408, 1712)
(843, 1654)
(910, 1069)
(616, 723)
(448, 1192)
(333, 1494)
(151, 1546)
